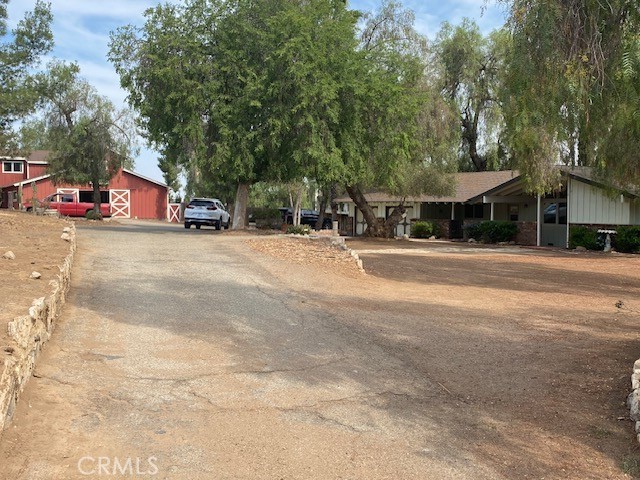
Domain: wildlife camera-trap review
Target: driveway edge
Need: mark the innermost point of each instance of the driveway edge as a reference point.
(30, 332)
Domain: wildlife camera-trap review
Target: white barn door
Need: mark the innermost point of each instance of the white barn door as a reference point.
(120, 201)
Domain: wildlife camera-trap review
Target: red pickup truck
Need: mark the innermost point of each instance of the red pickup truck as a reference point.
(67, 205)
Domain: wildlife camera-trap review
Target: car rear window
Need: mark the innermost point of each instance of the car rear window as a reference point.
(200, 203)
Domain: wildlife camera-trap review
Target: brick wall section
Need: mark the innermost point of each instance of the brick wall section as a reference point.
(29, 333)
(527, 233)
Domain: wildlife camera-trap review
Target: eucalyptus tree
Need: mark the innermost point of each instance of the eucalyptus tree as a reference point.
(573, 84)
(469, 69)
(90, 140)
(20, 51)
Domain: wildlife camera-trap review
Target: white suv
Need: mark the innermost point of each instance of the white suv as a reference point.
(206, 211)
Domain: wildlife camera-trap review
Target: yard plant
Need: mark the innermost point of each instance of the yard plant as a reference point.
(581, 236)
(424, 229)
(628, 239)
(492, 231)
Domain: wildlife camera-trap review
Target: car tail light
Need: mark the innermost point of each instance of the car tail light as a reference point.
(189, 206)
(212, 208)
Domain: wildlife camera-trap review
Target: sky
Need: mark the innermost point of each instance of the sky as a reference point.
(81, 31)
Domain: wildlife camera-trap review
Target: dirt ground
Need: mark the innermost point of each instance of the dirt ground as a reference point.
(537, 345)
(37, 246)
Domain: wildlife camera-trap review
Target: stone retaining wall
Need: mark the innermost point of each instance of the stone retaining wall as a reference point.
(29, 332)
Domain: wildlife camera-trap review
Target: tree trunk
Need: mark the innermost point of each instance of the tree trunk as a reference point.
(334, 204)
(240, 206)
(321, 208)
(375, 226)
(97, 199)
(393, 220)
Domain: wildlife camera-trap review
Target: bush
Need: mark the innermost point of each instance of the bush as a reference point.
(92, 215)
(581, 236)
(473, 231)
(299, 229)
(628, 239)
(493, 231)
(423, 229)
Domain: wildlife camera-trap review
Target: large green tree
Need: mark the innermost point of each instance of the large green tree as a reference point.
(90, 139)
(20, 51)
(469, 69)
(239, 90)
(574, 85)
(249, 91)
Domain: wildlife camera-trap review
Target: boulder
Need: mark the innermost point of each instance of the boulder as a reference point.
(9, 255)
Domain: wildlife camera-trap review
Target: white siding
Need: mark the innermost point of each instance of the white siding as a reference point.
(589, 204)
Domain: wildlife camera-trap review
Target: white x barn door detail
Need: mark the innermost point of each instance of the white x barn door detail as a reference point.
(173, 212)
(120, 201)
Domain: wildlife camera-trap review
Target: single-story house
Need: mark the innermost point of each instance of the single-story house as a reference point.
(478, 196)
(130, 194)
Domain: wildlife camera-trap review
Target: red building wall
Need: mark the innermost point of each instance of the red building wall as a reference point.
(148, 200)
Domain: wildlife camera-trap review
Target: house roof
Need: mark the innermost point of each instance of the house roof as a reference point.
(467, 186)
(38, 156)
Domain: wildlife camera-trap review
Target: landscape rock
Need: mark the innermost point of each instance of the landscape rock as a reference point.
(9, 255)
(35, 275)
(472, 240)
(580, 248)
(66, 237)
(432, 237)
(66, 230)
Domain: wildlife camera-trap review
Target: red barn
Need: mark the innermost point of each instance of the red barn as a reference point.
(131, 195)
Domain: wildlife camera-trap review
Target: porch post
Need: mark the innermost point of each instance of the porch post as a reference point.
(453, 211)
(568, 202)
(492, 218)
(538, 223)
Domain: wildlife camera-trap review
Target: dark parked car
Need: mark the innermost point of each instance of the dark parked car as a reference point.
(307, 217)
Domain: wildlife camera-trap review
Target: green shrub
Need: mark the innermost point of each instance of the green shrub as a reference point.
(473, 231)
(628, 239)
(263, 213)
(299, 229)
(492, 231)
(92, 215)
(423, 229)
(581, 236)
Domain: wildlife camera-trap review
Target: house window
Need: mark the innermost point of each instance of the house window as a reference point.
(12, 167)
(555, 213)
(514, 211)
(474, 211)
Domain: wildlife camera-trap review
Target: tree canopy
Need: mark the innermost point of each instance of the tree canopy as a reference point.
(90, 140)
(277, 91)
(469, 72)
(20, 51)
(573, 87)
